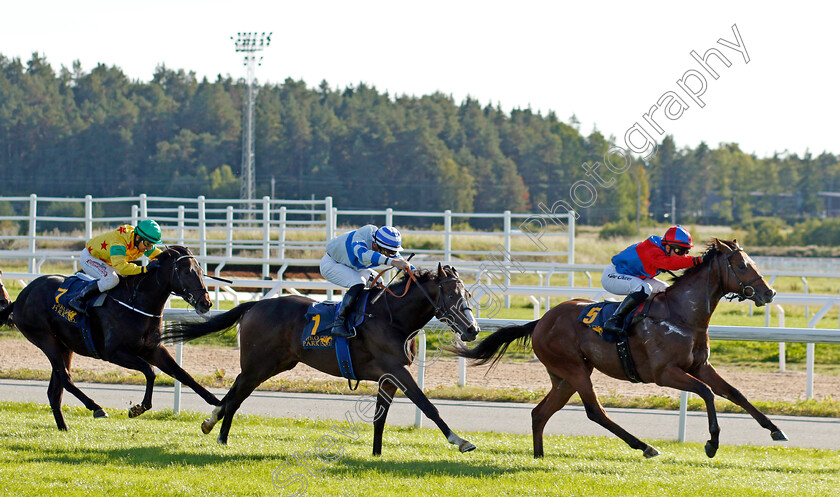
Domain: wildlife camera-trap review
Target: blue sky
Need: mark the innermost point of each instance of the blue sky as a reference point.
(606, 62)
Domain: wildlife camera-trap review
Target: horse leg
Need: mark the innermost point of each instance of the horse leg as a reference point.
(59, 358)
(132, 361)
(387, 389)
(674, 377)
(161, 358)
(242, 387)
(595, 412)
(560, 393)
(413, 392)
(98, 412)
(709, 375)
(54, 392)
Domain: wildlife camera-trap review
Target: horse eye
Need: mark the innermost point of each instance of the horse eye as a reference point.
(742, 266)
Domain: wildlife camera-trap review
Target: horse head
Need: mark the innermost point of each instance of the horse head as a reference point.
(5, 299)
(185, 277)
(453, 303)
(739, 274)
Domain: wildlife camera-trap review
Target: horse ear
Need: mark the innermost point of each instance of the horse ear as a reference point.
(723, 245)
(440, 273)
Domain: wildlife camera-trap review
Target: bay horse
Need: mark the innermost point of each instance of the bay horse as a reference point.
(271, 331)
(125, 330)
(670, 346)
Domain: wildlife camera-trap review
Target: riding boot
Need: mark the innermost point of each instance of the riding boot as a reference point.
(615, 323)
(77, 303)
(339, 327)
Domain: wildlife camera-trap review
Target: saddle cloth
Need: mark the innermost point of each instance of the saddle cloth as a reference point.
(71, 287)
(595, 315)
(316, 334)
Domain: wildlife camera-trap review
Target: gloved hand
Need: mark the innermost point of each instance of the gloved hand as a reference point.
(153, 264)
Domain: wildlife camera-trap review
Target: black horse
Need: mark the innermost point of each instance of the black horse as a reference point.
(271, 333)
(126, 329)
(670, 347)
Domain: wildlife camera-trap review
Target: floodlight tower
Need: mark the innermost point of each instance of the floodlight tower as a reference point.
(249, 44)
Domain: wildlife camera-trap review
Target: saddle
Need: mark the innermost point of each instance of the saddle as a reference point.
(595, 315)
(71, 287)
(316, 334)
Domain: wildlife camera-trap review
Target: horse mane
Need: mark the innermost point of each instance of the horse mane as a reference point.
(171, 250)
(422, 275)
(711, 251)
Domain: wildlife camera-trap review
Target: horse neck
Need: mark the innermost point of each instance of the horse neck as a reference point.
(695, 297)
(414, 310)
(149, 292)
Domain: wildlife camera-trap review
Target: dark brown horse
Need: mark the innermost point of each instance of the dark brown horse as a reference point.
(670, 347)
(125, 329)
(271, 332)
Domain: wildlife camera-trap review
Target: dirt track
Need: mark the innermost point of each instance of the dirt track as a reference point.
(789, 386)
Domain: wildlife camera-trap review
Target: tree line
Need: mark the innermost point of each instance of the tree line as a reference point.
(70, 133)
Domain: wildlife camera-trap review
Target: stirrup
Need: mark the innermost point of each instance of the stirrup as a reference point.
(343, 332)
(77, 305)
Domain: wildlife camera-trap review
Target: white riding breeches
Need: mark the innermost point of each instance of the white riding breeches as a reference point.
(341, 275)
(107, 276)
(623, 284)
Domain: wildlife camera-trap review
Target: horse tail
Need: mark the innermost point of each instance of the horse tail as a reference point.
(5, 314)
(495, 345)
(186, 331)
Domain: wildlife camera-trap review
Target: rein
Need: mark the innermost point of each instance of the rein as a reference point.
(440, 311)
(188, 296)
(746, 289)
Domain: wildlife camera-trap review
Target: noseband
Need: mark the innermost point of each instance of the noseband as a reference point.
(746, 290)
(188, 296)
(441, 311)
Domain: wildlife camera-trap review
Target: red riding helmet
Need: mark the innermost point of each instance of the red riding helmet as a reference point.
(678, 236)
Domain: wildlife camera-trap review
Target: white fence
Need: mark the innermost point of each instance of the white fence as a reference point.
(233, 232)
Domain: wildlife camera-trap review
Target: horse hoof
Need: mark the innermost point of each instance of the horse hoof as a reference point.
(650, 452)
(466, 446)
(711, 449)
(779, 436)
(99, 413)
(222, 442)
(206, 426)
(136, 410)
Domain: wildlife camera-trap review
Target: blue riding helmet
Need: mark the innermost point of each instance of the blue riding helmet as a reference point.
(388, 238)
(678, 236)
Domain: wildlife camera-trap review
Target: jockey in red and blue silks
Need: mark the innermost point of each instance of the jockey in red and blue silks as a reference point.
(633, 271)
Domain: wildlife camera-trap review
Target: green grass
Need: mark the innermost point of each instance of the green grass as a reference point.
(162, 454)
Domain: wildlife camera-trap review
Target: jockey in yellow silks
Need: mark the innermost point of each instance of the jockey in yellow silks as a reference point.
(109, 255)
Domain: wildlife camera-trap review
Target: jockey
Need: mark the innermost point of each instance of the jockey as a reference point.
(348, 261)
(107, 256)
(633, 271)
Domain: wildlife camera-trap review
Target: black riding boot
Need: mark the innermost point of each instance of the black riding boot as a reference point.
(339, 327)
(78, 302)
(615, 323)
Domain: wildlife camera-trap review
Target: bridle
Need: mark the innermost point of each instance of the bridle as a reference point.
(746, 290)
(189, 296)
(442, 313)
